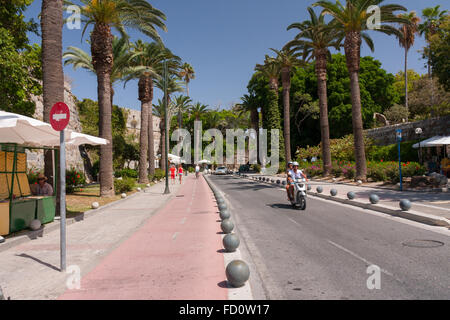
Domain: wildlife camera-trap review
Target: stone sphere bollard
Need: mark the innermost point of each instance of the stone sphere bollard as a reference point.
(227, 226)
(224, 214)
(283, 183)
(334, 179)
(220, 200)
(222, 206)
(333, 192)
(148, 185)
(35, 225)
(231, 242)
(405, 204)
(1, 241)
(308, 187)
(351, 195)
(95, 205)
(237, 273)
(123, 195)
(278, 181)
(319, 189)
(359, 182)
(138, 189)
(374, 199)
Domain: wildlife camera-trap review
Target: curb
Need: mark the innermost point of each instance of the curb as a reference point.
(29, 235)
(410, 215)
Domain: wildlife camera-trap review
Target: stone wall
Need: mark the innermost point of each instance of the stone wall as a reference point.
(430, 128)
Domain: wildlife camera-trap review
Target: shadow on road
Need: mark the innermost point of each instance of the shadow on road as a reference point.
(280, 206)
(24, 255)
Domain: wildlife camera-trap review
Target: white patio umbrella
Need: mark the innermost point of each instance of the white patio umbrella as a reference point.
(427, 142)
(16, 128)
(442, 141)
(204, 161)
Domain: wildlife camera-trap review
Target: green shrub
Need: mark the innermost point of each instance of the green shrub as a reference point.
(191, 169)
(159, 174)
(129, 173)
(377, 172)
(124, 185)
(74, 179)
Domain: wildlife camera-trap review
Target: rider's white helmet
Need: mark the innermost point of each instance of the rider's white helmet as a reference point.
(295, 163)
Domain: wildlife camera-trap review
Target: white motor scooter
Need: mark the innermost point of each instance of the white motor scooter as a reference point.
(299, 201)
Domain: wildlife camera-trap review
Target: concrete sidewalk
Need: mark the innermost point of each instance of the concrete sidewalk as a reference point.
(428, 207)
(31, 270)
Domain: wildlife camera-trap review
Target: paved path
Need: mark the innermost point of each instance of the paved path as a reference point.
(175, 255)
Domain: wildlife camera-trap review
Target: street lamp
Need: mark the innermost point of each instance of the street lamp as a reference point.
(167, 127)
(399, 139)
(419, 133)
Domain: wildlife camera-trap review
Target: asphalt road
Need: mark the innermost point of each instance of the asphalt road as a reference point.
(324, 252)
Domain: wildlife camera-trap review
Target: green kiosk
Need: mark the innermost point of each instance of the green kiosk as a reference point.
(18, 207)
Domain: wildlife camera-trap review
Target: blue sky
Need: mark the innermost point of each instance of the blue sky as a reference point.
(223, 40)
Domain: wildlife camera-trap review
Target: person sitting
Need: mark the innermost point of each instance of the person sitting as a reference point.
(42, 188)
(288, 179)
(295, 174)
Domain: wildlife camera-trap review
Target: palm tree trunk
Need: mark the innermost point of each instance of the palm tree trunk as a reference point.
(143, 137)
(321, 71)
(52, 69)
(352, 46)
(286, 79)
(406, 83)
(151, 136)
(102, 61)
(254, 118)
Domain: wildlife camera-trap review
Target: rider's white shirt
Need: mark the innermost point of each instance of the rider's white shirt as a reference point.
(197, 168)
(296, 175)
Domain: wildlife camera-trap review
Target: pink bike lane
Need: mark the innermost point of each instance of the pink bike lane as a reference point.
(174, 256)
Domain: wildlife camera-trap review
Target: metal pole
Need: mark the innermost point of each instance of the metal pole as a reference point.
(167, 127)
(400, 166)
(62, 202)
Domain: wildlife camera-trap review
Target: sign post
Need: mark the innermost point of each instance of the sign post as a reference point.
(399, 139)
(59, 119)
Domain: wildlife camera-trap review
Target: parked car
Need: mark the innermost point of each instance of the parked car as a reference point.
(221, 170)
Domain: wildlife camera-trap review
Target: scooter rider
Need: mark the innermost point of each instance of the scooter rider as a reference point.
(288, 178)
(295, 174)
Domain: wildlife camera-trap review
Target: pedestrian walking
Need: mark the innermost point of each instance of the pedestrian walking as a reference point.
(180, 172)
(172, 173)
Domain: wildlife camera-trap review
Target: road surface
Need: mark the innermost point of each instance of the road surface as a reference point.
(324, 252)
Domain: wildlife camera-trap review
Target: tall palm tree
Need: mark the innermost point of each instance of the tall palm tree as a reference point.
(406, 40)
(187, 73)
(313, 41)
(182, 103)
(287, 59)
(153, 57)
(250, 105)
(158, 111)
(104, 15)
(433, 17)
(352, 19)
(271, 71)
(52, 69)
(172, 86)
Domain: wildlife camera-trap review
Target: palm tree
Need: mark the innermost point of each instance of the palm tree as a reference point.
(187, 73)
(182, 103)
(52, 69)
(158, 110)
(288, 59)
(313, 41)
(352, 19)
(197, 110)
(271, 71)
(406, 40)
(172, 86)
(250, 105)
(104, 15)
(433, 17)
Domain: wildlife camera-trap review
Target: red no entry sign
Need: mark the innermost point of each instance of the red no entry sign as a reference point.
(59, 116)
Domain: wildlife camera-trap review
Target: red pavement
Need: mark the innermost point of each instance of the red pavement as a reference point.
(174, 256)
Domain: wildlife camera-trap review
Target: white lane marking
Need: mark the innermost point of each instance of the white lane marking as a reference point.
(294, 221)
(358, 257)
(430, 206)
(174, 235)
(184, 219)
